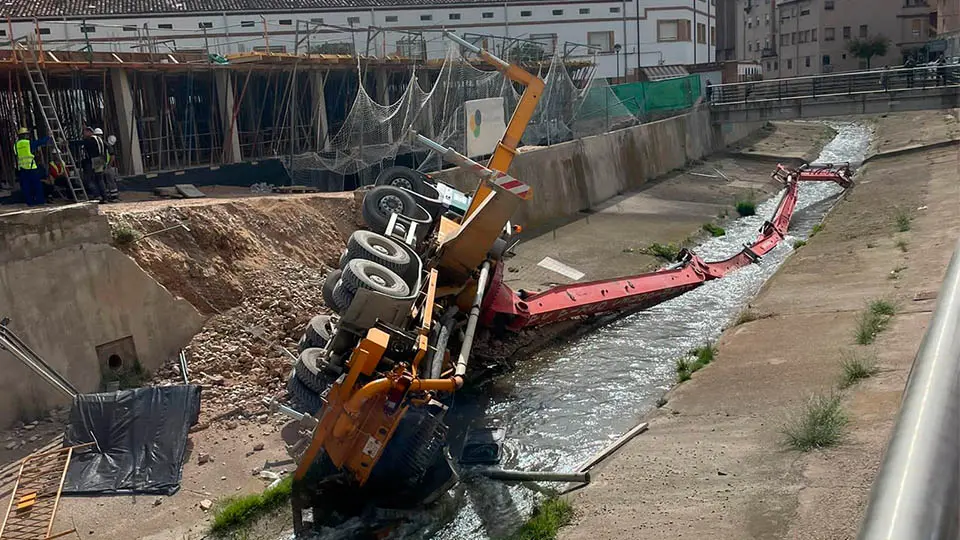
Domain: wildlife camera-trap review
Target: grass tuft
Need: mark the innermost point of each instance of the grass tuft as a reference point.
(664, 251)
(546, 520)
(856, 368)
(874, 320)
(821, 424)
(714, 230)
(238, 511)
(816, 228)
(903, 219)
(695, 360)
(797, 244)
(902, 245)
(746, 208)
(124, 234)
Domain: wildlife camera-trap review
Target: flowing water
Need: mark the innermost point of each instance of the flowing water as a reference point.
(568, 402)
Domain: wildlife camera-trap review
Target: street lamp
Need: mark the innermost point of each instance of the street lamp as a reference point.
(616, 51)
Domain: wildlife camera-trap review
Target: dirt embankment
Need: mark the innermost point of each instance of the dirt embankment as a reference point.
(254, 263)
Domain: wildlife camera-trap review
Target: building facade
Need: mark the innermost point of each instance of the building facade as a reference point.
(623, 34)
(793, 38)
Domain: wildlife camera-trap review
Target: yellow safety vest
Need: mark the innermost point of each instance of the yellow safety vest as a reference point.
(25, 159)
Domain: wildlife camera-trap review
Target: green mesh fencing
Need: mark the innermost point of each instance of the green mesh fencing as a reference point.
(657, 96)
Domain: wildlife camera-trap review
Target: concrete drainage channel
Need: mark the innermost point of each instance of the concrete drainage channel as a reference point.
(568, 402)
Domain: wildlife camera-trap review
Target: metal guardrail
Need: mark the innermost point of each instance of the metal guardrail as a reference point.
(916, 494)
(837, 84)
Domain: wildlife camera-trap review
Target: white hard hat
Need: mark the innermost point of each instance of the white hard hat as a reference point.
(98, 131)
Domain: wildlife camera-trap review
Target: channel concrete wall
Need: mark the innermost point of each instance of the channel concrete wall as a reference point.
(575, 176)
(82, 305)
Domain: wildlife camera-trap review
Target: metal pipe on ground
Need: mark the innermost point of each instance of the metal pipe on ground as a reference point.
(535, 476)
(917, 490)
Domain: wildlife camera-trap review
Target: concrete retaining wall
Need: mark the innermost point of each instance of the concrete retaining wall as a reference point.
(77, 301)
(571, 177)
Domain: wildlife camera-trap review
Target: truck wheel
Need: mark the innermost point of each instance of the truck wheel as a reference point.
(361, 274)
(303, 398)
(382, 201)
(344, 258)
(342, 296)
(327, 291)
(318, 332)
(377, 248)
(401, 177)
(311, 369)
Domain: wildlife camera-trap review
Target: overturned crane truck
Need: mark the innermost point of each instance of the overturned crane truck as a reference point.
(378, 379)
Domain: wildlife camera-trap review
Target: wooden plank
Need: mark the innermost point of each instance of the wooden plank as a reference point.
(190, 191)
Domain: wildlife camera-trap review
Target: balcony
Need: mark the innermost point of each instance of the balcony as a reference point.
(768, 52)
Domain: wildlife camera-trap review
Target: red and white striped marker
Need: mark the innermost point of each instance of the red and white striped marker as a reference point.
(512, 185)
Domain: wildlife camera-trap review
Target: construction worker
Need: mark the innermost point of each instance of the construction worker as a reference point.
(110, 171)
(93, 164)
(58, 184)
(28, 173)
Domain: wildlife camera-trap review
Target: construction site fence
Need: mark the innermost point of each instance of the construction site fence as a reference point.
(645, 98)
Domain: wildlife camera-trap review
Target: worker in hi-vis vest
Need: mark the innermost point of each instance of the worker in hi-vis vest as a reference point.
(28, 173)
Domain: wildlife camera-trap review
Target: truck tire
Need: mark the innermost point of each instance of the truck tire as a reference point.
(318, 332)
(302, 397)
(311, 369)
(377, 248)
(362, 274)
(381, 202)
(342, 297)
(401, 177)
(344, 258)
(327, 291)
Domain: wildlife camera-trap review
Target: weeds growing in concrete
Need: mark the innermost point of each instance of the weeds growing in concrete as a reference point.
(714, 230)
(238, 511)
(901, 245)
(821, 424)
(903, 219)
(546, 520)
(874, 320)
(856, 368)
(816, 228)
(695, 360)
(664, 251)
(797, 244)
(684, 369)
(746, 207)
(124, 234)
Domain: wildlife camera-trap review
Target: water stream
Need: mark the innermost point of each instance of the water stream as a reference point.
(567, 402)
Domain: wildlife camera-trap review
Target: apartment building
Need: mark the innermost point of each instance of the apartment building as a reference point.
(948, 16)
(805, 37)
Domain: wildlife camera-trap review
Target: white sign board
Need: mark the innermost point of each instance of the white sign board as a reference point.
(485, 125)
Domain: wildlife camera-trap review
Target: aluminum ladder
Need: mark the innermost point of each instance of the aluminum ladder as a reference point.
(31, 61)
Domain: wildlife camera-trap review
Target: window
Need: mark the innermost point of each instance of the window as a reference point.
(165, 26)
(454, 16)
(826, 59)
(44, 31)
(749, 47)
(205, 25)
(784, 40)
(614, 10)
(317, 20)
(3, 32)
(804, 12)
(129, 28)
(749, 23)
(701, 33)
(813, 35)
(766, 19)
(604, 40)
(846, 32)
(487, 15)
(915, 27)
(757, 45)
(766, 43)
(713, 35)
(806, 36)
(526, 13)
(426, 17)
(584, 11)
(828, 34)
(88, 28)
(673, 30)
(776, 65)
(288, 22)
(769, 66)
(793, 38)
(806, 61)
(247, 24)
(863, 30)
(356, 20)
(549, 41)
(828, 5)
(558, 12)
(789, 63)
(391, 18)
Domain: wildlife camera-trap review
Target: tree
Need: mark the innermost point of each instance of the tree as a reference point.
(867, 48)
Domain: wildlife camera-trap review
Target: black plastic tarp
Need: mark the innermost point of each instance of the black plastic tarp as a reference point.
(140, 435)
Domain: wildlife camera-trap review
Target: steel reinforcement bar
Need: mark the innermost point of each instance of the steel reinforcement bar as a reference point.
(916, 494)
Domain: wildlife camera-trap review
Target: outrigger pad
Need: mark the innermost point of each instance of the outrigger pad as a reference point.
(140, 436)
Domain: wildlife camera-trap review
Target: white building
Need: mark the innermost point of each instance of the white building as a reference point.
(666, 31)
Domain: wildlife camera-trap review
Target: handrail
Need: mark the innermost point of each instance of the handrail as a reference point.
(842, 74)
(916, 494)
